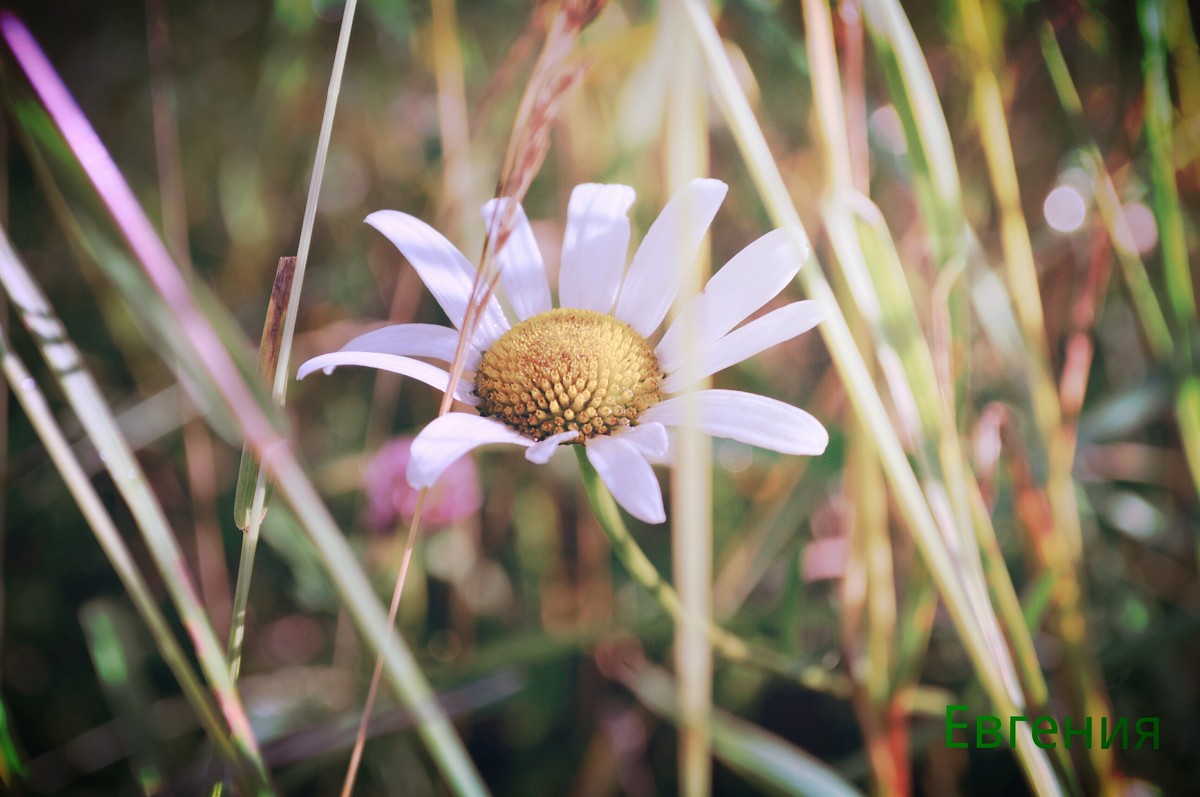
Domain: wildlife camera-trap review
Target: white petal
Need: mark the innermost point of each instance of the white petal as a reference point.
(541, 451)
(424, 372)
(748, 340)
(414, 340)
(669, 247)
(521, 269)
(752, 278)
(748, 418)
(628, 477)
(448, 275)
(595, 245)
(649, 438)
(449, 437)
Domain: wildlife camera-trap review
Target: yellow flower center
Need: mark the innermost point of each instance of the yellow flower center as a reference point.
(568, 370)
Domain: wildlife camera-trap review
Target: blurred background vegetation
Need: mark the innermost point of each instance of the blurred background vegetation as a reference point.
(518, 611)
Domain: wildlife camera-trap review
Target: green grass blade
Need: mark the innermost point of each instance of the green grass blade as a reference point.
(930, 151)
(117, 662)
(88, 402)
(11, 765)
(90, 504)
(1187, 410)
(1181, 297)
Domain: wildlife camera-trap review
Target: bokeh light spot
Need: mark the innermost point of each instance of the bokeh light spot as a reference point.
(1140, 232)
(888, 130)
(1064, 209)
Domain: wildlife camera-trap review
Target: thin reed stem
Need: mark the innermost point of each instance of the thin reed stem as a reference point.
(282, 374)
(364, 722)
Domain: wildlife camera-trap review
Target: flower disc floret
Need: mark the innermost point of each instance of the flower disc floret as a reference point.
(568, 370)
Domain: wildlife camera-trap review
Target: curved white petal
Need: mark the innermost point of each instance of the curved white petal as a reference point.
(414, 340)
(424, 372)
(748, 418)
(448, 275)
(521, 269)
(628, 477)
(449, 437)
(669, 247)
(752, 278)
(648, 438)
(541, 451)
(595, 245)
(748, 340)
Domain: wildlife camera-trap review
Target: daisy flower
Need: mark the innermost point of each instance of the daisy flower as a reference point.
(586, 372)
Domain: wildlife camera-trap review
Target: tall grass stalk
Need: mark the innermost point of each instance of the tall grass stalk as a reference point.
(1021, 270)
(237, 743)
(195, 334)
(457, 183)
(686, 157)
(980, 634)
(869, 602)
(553, 77)
(1181, 297)
(252, 490)
(1063, 543)
(282, 374)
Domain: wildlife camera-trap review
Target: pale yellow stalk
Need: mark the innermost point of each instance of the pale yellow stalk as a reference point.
(686, 157)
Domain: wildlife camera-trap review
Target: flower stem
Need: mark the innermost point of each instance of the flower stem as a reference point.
(729, 645)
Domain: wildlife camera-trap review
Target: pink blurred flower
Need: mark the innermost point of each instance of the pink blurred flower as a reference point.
(390, 499)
